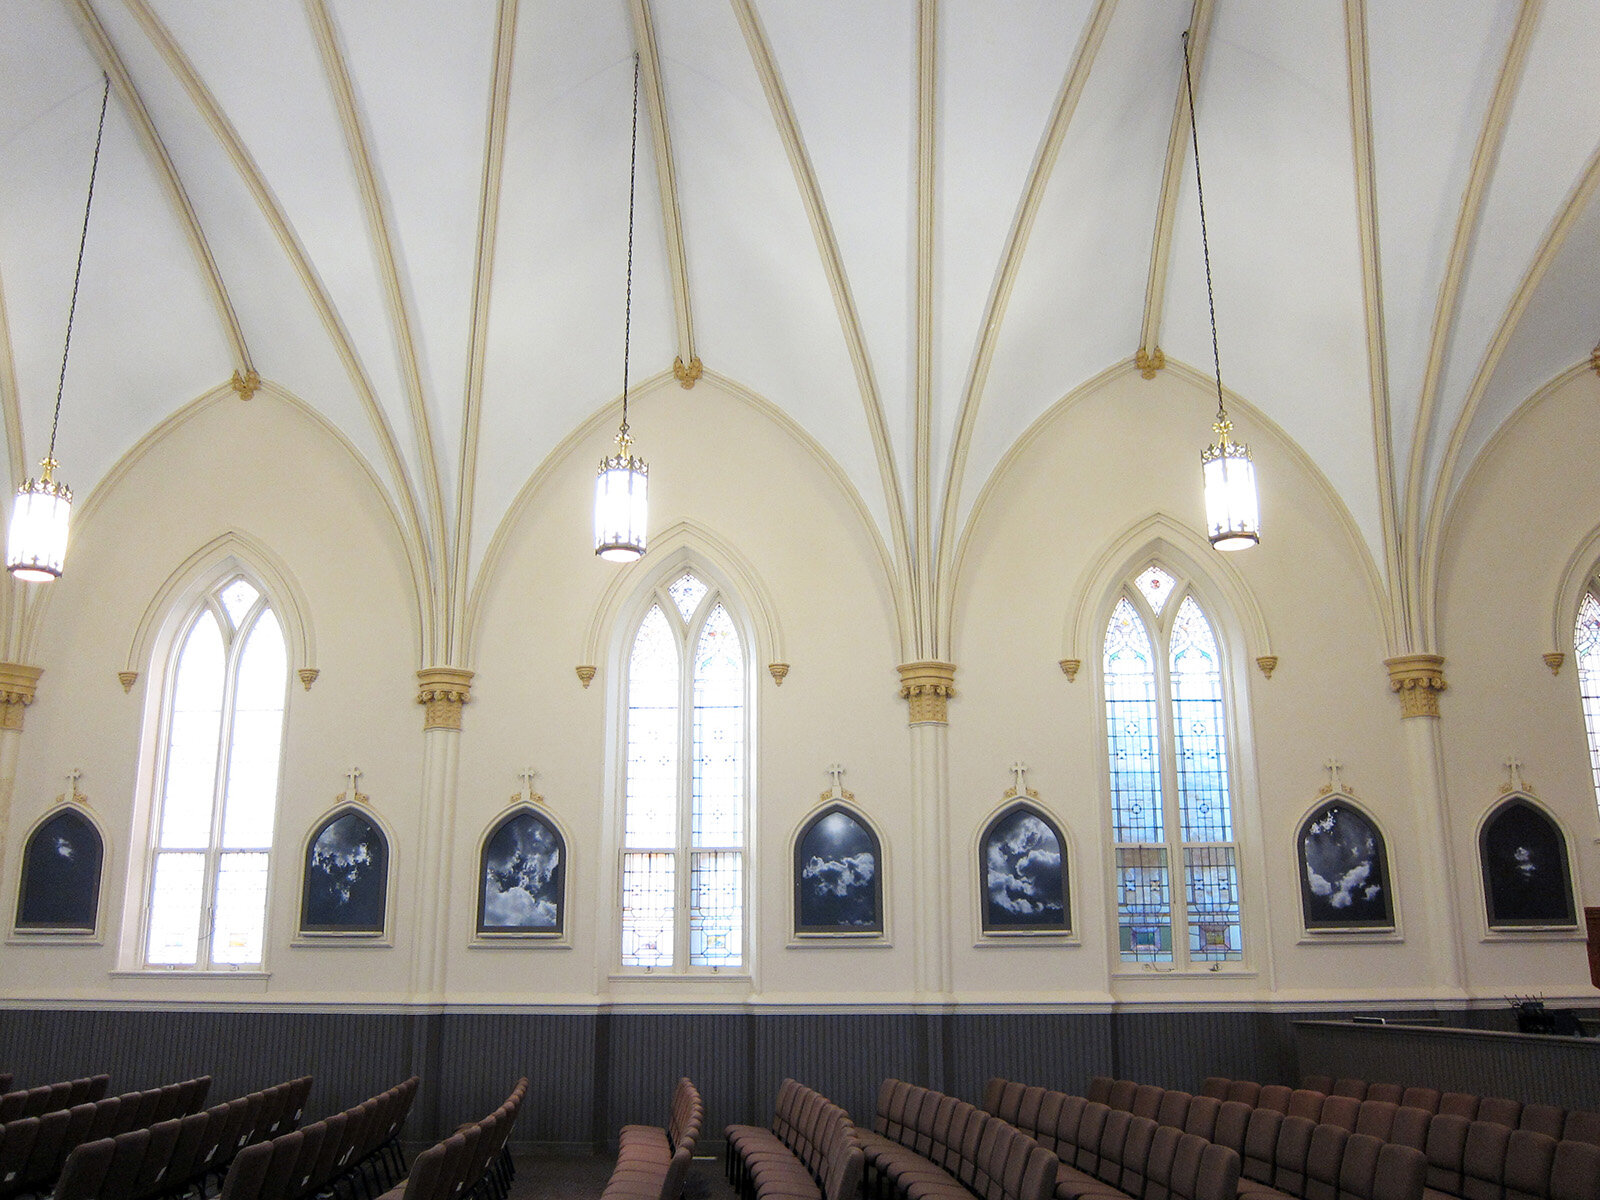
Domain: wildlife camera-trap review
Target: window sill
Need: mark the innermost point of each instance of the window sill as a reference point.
(519, 941)
(189, 973)
(1537, 933)
(1154, 971)
(1350, 937)
(1001, 941)
(54, 937)
(342, 941)
(839, 941)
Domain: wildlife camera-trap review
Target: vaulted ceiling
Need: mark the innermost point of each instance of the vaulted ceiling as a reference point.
(914, 227)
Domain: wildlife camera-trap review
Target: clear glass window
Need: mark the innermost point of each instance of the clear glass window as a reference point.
(218, 783)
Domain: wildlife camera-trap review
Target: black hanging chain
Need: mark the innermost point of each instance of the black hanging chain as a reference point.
(66, 349)
(627, 319)
(1205, 246)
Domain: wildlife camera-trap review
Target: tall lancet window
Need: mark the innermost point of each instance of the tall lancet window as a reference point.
(1586, 642)
(222, 737)
(686, 785)
(1177, 876)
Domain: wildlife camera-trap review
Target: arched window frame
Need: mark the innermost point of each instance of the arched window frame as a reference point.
(1355, 930)
(806, 935)
(161, 634)
(315, 937)
(1586, 666)
(1502, 926)
(673, 564)
(984, 935)
(1188, 582)
(37, 934)
(561, 935)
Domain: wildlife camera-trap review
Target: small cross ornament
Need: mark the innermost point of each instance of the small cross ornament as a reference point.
(1334, 784)
(353, 775)
(836, 792)
(1514, 782)
(1019, 771)
(527, 775)
(72, 778)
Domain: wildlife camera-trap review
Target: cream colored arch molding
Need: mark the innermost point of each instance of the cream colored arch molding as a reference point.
(231, 551)
(1580, 570)
(1159, 536)
(679, 545)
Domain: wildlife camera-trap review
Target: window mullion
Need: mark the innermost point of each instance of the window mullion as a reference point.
(219, 794)
(1171, 805)
(685, 839)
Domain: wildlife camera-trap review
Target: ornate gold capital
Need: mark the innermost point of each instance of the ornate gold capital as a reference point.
(929, 686)
(1419, 678)
(1268, 664)
(245, 383)
(18, 685)
(127, 679)
(1070, 668)
(308, 676)
(1553, 660)
(444, 690)
(778, 671)
(1149, 363)
(585, 675)
(686, 373)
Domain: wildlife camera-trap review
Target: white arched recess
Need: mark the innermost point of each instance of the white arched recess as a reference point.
(231, 553)
(1242, 634)
(684, 546)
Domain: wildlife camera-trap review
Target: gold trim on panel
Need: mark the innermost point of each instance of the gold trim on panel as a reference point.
(928, 685)
(1149, 363)
(1418, 678)
(246, 383)
(687, 373)
(1553, 660)
(18, 686)
(444, 690)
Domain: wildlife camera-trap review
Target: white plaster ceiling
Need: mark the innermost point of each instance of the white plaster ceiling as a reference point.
(914, 227)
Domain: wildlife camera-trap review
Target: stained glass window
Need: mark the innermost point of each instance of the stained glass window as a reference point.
(686, 782)
(1586, 642)
(218, 785)
(1171, 803)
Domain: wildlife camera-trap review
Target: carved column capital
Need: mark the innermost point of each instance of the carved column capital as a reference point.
(1418, 678)
(928, 685)
(443, 690)
(18, 686)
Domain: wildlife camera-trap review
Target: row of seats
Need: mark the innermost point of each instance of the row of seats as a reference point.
(1575, 1124)
(48, 1097)
(180, 1154)
(1109, 1153)
(471, 1164)
(33, 1150)
(812, 1151)
(1468, 1159)
(929, 1146)
(653, 1161)
(360, 1144)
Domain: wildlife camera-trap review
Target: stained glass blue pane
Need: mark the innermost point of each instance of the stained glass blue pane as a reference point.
(1586, 642)
(1132, 731)
(718, 817)
(1211, 884)
(1144, 904)
(1200, 731)
(648, 888)
(651, 817)
(686, 592)
(715, 903)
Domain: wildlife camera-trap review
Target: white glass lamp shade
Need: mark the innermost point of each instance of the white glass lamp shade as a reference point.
(36, 546)
(1233, 518)
(620, 507)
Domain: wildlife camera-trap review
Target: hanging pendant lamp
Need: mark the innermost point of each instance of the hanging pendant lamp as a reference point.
(620, 508)
(1233, 517)
(36, 543)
